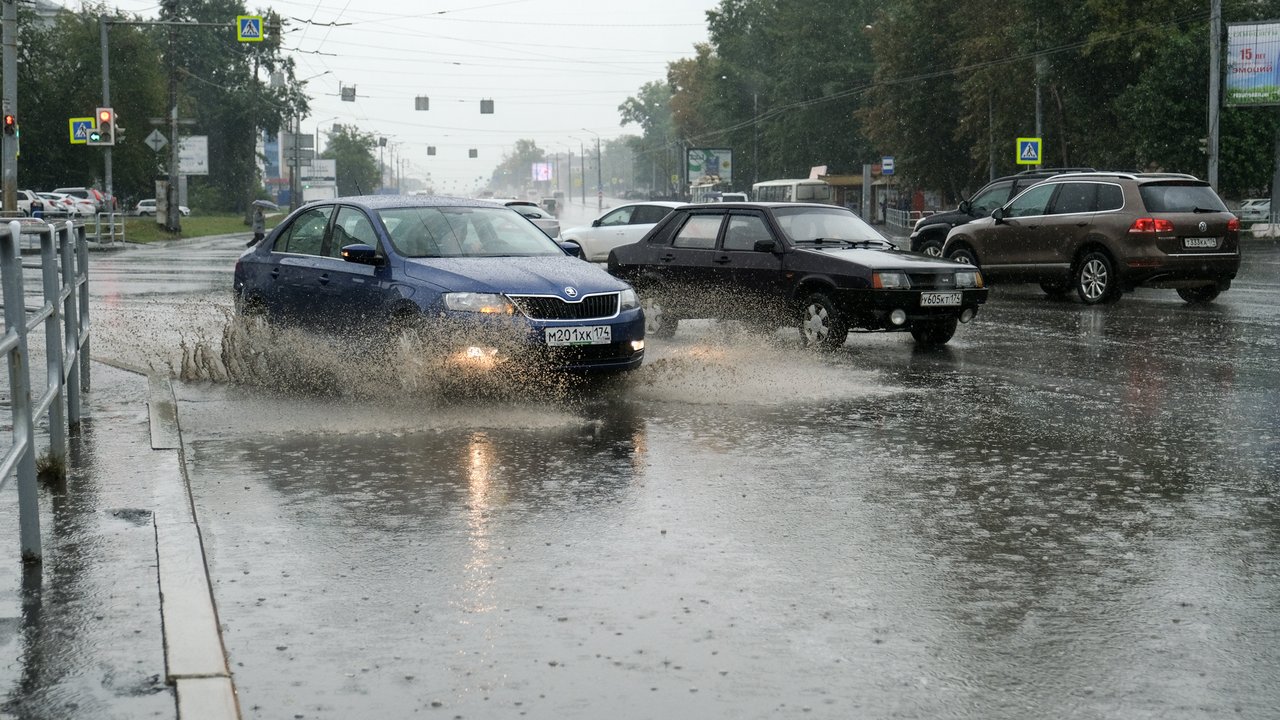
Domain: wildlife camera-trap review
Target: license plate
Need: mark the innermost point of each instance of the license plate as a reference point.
(940, 299)
(1200, 242)
(580, 335)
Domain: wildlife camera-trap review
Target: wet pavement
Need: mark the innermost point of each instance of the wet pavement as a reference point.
(1067, 512)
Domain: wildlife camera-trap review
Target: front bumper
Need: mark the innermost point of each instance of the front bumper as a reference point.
(871, 309)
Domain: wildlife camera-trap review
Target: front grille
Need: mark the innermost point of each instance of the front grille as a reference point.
(588, 353)
(932, 281)
(546, 307)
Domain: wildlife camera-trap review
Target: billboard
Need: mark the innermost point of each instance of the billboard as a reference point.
(1252, 73)
(541, 172)
(710, 165)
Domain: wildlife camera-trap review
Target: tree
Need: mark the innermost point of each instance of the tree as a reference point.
(353, 153)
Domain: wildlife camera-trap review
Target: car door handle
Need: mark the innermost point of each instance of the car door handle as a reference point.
(324, 279)
(275, 273)
(668, 257)
(721, 260)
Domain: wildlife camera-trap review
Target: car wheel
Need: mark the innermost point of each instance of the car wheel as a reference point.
(821, 324)
(1202, 294)
(933, 333)
(658, 322)
(1095, 279)
(931, 247)
(964, 255)
(1055, 290)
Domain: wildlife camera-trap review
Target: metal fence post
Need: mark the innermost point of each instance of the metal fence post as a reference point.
(53, 346)
(82, 279)
(71, 317)
(15, 320)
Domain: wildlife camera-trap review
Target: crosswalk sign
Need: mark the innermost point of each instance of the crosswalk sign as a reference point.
(249, 28)
(80, 128)
(1028, 151)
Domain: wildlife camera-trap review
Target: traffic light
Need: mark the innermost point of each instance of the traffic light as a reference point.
(10, 124)
(104, 131)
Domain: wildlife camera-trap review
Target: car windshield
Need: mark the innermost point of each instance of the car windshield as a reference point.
(1180, 197)
(806, 224)
(426, 232)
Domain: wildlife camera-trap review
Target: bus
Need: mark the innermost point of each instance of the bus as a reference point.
(810, 191)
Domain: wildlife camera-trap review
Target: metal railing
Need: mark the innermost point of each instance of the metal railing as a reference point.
(114, 224)
(64, 266)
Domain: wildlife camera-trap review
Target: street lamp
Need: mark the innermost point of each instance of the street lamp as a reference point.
(318, 124)
(582, 163)
(599, 171)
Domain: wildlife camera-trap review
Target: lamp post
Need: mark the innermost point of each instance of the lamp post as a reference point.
(582, 163)
(295, 160)
(599, 175)
(316, 150)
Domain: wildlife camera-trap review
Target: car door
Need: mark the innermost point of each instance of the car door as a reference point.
(751, 279)
(607, 233)
(643, 218)
(358, 296)
(687, 268)
(1068, 224)
(296, 264)
(1008, 245)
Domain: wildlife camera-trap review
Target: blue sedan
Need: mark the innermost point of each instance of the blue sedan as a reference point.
(474, 274)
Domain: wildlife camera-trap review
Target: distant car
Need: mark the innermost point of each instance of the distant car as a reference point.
(622, 225)
(1255, 210)
(61, 203)
(148, 207)
(817, 266)
(92, 195)
(930, 231)
(383, 263)
(30, 203)
(1103, 234)
(537, 215)
(734, 197)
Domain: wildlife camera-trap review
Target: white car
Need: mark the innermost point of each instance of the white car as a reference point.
(537, 215)
(622, 225)
(57, 203)
(148, 207)
(1255, 210)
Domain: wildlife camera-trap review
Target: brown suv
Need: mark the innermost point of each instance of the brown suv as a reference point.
(1103, 234)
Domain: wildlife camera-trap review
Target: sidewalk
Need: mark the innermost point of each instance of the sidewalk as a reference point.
(117, 622)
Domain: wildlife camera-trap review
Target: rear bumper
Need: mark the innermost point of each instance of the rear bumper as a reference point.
(1185, 270)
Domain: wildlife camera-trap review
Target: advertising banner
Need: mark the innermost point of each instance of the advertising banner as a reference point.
(1253, 77)
(541, 172)
(710, 165)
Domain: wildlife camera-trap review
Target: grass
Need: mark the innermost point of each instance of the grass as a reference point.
(145, 229)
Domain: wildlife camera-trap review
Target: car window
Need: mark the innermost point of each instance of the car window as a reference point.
(1110, 197)
(990, 199)
(621, 216)
(1178, 198)
(351, 226)
(1032, 202)
(803, 224)
(305, 234)
(649, 214)
(464, 232)
(743, 232)
(699, 232)
(1074, 197)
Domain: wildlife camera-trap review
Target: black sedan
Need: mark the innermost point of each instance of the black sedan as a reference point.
(819, 266)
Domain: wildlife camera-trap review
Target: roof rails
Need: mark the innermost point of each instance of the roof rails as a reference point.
(1056, 170)
(1133, 175)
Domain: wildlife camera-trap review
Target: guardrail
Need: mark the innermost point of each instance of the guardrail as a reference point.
(64, 266)
(905, 219)
(114, 223)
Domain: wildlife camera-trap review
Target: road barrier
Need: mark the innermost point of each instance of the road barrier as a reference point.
(64, 266)
(113, 223)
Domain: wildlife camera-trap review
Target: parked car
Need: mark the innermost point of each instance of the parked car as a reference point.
(622, 225)
(148, 207)
(819, 266)
(368, 264)
(29, 203)
(92, 195)
(1255, 210)
(1102, 234)
(537, 215)
(69, 205)
(930, 231)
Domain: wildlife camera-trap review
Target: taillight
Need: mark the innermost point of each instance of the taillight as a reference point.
(1151, 225)
(1233, 225)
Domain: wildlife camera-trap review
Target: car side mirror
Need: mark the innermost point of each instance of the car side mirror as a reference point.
(769, 245)
(595, 223)
(361, 253)
(966, 207)
(571, 248)
(998, 214)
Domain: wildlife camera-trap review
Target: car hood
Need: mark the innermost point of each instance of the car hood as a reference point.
(876, 259)
(514, 275)
(950, 217)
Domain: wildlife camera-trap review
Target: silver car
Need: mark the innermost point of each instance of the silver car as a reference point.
(622, 225)
(537, 215)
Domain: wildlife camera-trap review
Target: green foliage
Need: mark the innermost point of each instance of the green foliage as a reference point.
(355, 160)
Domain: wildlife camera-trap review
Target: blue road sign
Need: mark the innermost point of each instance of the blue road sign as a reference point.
(249, 28)
(1028, 151)
(886, 165)
(80, 129)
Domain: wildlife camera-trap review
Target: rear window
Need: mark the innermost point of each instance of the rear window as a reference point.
(1180, 198)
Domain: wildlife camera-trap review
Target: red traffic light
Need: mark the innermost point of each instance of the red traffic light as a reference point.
(104, 115)
(10, 124)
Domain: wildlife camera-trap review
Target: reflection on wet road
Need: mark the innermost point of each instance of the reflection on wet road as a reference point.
(1068, 512)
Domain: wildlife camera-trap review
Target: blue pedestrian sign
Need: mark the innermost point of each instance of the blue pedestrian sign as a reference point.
(249, 28)
(80, 129)
(1028, 151)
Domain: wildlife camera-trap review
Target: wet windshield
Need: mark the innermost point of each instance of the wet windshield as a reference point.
(464, 232)
(808, 224)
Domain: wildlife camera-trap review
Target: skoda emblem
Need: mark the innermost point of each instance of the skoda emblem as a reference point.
(573, 292)
(1204, 226)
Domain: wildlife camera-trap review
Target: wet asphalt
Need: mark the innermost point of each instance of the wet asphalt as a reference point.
(1068, 512)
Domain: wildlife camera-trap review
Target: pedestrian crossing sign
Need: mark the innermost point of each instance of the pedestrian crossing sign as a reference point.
(1028, 151)
(80, 128)
(249, 28)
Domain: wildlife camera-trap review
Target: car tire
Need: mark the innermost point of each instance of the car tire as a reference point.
(658, 322)
(1095, 279)
(934, 333)
(931, 247)
(964, 255)
(821, 324)
(1202, 294)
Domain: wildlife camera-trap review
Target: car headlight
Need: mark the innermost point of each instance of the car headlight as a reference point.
(488, 303)
(628, 300)
(969, 279)
(890, 281)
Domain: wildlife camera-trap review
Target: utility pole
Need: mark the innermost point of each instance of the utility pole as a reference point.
(599, 177)
(1215, 87)
(106, 102)
(172, 218)
(9, 147)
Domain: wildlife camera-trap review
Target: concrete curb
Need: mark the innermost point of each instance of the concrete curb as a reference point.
(195, 658)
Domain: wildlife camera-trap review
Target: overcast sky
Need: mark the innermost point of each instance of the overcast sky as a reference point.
(555, 70)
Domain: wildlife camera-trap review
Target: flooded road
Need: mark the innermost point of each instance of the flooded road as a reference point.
(1068, 512)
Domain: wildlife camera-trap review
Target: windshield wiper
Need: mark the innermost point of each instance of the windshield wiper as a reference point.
(846, 243)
